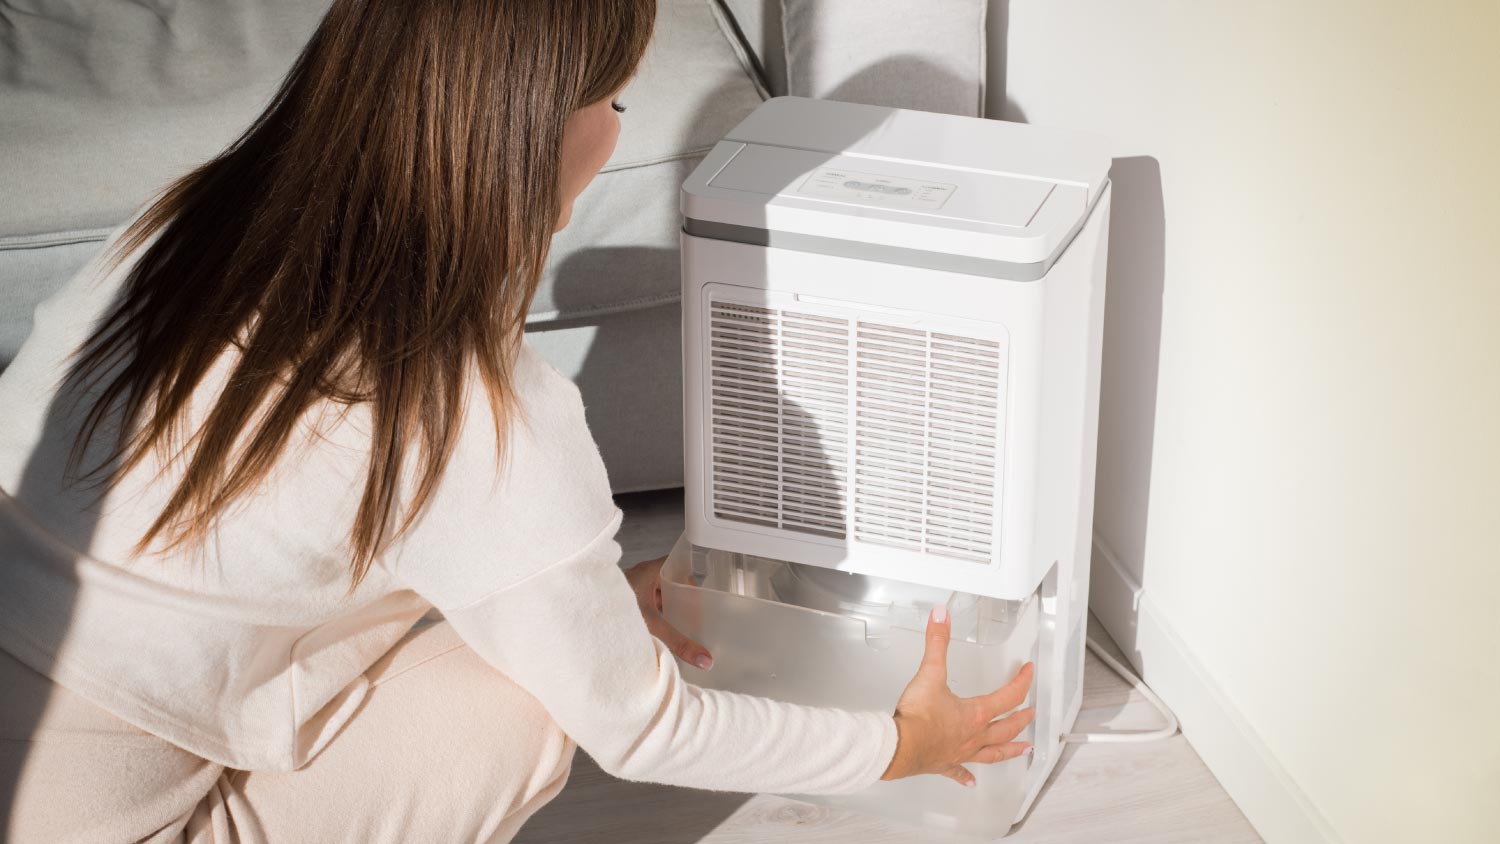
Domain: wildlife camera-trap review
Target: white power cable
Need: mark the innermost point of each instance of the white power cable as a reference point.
(1139, 685)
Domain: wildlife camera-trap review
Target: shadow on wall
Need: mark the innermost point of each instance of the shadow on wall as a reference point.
(905, 81)
(1128, 381)
(1127, 401)
(1128, 385)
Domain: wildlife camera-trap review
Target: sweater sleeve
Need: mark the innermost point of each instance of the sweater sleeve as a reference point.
(525, 567)
(573, 636)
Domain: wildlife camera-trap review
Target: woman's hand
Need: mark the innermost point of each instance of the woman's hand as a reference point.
(938, 730)
(645, 579)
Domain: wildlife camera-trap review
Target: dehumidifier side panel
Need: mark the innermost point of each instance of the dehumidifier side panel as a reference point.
(1096, 233)
(1073, 319)
(695, 254)
(1068, 443)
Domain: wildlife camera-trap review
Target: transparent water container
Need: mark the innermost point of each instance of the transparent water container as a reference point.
(823, 637)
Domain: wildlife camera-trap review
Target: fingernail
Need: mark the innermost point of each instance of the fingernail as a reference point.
(940, 613)
(1027, 751)
(970, 783)
(703, 661)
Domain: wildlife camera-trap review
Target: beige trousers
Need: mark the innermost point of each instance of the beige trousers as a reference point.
(443, 749)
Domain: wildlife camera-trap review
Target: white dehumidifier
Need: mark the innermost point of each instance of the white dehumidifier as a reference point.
(891, 339)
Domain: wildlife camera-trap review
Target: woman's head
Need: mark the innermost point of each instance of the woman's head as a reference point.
(375, 237)
(588, 140)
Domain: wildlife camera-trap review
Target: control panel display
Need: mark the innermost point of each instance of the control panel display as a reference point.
(870, 189)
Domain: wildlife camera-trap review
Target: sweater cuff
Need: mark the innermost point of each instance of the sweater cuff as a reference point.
(884, 752)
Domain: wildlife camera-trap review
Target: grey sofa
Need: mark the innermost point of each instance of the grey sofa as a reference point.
(103, 103)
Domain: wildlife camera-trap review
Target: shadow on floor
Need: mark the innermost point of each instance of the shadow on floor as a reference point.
(596, 808)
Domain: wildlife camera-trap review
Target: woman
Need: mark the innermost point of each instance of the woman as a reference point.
(290, 411)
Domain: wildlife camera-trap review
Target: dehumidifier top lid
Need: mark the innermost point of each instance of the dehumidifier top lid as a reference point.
(961, 193)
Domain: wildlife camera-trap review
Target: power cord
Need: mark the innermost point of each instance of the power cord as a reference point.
(1139, 685)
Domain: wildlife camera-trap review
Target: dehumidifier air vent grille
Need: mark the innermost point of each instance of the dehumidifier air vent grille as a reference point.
(926, 408)
(824, 425)
(780, 418)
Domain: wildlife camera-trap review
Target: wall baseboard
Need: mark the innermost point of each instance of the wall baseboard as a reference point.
(1272, 801)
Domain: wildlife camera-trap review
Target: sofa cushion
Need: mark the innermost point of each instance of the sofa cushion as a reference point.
(627, 366)
(107, 102)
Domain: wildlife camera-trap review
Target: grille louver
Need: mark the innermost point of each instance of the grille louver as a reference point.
(828, 425)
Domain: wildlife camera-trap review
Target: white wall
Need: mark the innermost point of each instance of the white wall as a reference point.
(1299, 460)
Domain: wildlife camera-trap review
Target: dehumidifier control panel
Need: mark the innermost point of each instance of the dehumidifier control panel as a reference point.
(831, 181)
(874, 189)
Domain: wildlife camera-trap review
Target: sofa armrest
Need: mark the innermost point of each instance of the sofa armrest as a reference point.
(758, 25)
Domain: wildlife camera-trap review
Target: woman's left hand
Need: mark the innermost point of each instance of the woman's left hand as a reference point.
(645, 579)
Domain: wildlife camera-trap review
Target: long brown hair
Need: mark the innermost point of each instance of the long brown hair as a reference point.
(380, 228)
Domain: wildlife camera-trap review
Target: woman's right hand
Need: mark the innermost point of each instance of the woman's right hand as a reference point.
(938, 731)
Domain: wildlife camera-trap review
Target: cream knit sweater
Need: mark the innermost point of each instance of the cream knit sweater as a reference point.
(248, 650)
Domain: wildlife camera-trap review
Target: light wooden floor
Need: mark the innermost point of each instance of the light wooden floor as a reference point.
(1118, 793)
